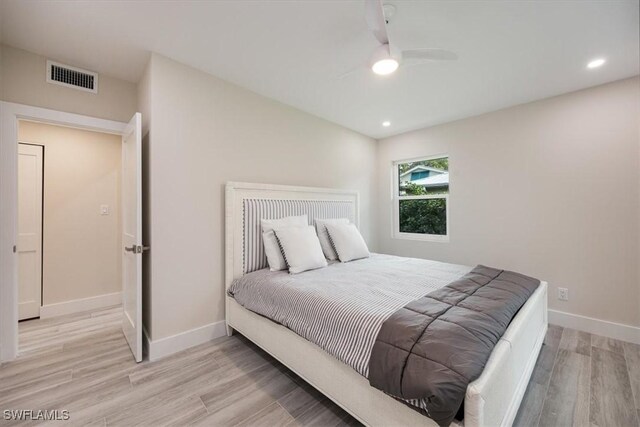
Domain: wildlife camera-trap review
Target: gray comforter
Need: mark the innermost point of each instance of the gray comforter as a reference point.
(432, 348)
(341, 307)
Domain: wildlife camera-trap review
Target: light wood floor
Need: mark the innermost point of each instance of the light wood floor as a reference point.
(81, 363)
(583, 380)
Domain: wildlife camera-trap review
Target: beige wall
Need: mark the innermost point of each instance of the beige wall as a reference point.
(549, 188)
(24, 82)
(81, 256)
(205, 132)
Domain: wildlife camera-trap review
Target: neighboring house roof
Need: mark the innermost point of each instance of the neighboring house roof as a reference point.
(439, 180)
(422, 168)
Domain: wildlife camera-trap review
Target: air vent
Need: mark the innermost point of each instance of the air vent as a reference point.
(72, 77)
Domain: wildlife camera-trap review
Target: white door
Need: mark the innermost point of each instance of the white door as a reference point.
(132, 235)
(29, 230)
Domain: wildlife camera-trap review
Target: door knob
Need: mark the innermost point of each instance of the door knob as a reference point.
(137, 249)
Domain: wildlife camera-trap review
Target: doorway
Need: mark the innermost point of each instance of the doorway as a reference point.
(69, 223)
(129, 136)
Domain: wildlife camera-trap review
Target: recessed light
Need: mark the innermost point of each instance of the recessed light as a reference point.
(386, 123)
(596, 63)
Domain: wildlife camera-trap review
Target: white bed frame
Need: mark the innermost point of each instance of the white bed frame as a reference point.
(492, 400)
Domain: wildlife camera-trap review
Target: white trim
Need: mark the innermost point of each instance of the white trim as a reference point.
(605, 328)
(166, 346)
(10, 113)
(80, 305)
(61, 118)
(422, 237)
(424, 197)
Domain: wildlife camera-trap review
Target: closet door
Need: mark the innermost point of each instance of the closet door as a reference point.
(29, 230)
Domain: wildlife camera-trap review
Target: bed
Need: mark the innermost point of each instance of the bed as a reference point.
(491, 400)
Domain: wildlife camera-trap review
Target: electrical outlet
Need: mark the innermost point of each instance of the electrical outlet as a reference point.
(104, 209)
(563, 294)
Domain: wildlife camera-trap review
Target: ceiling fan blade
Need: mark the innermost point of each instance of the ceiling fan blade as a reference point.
(374, 15)
(430, 54)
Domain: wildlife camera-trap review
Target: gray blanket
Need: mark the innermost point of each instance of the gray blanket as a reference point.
(342, 307)
(433, 347)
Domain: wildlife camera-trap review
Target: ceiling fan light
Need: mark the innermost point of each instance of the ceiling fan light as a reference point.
(596, 63)
(384, 67)
(382, 63)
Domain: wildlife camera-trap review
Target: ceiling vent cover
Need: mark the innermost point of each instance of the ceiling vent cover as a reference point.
(76, 78)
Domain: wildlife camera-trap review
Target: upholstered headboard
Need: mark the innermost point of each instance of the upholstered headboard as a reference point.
(247, 203)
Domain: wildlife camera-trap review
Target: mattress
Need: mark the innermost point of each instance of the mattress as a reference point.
(342, 307)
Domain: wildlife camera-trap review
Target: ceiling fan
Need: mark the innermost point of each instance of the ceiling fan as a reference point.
(386, 59)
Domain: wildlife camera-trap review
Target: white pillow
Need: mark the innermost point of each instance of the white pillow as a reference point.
(323, 236)
(301, 248)
(348, 242)
(271, 246)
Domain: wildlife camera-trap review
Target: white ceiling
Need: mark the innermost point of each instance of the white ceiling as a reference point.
(510, 52)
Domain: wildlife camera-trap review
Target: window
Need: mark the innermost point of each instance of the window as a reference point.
(421, 198)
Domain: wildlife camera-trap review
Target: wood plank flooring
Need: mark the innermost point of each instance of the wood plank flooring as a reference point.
(583, 380)
(81, 363)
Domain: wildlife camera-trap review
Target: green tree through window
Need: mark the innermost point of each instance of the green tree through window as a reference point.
(422, 197)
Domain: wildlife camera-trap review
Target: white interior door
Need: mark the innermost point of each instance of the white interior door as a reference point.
(29, 230)
(132, 235)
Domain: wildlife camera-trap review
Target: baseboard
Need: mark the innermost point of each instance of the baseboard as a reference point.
(79, 305)
(595, 326)
(157, 349)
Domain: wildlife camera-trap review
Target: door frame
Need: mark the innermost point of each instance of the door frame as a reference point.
(10, 114)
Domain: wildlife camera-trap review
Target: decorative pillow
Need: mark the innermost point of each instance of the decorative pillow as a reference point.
(271, 246)
(323, 236)
(301, 248)
(348, 242)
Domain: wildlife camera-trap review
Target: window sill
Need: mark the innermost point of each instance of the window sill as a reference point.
(422, 237)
